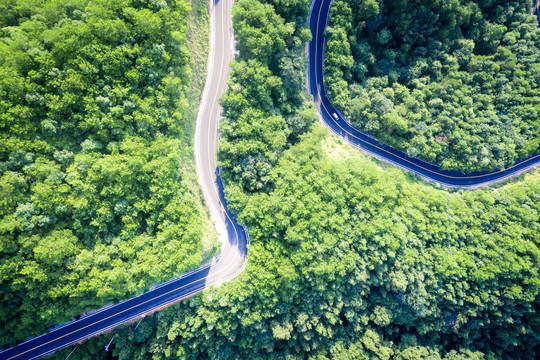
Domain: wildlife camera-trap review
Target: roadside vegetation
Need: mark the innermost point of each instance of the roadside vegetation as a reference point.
(456, 83)
(348, 260)
(98, 197)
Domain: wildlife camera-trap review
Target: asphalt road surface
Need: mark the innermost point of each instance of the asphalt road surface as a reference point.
(338, 125)
(233, 256)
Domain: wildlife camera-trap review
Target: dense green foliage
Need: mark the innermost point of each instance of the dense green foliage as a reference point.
(265, 104)
(347, 260)
(94, 201)
(456, 83)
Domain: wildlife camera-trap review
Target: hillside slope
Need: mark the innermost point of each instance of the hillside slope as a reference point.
(97, 202)
(456, 83)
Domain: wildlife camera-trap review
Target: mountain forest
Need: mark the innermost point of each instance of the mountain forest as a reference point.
(97, 201)
(349, 258)
(453, 82)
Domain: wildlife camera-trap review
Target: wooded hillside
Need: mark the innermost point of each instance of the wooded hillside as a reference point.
(94, 204)
(349, 259)
(454, 82)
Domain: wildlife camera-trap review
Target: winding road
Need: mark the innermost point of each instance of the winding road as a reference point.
(233, 256)
(337, 123)
(232, 259)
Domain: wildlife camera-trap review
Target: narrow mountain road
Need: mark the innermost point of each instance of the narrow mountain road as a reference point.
(338, 125)
(233, 256)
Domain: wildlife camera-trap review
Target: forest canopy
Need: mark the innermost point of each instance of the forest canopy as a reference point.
(348, 258)
(454, 82)
(94, 201)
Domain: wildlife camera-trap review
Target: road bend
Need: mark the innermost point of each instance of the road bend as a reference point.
(233, 256)
(341, 127)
